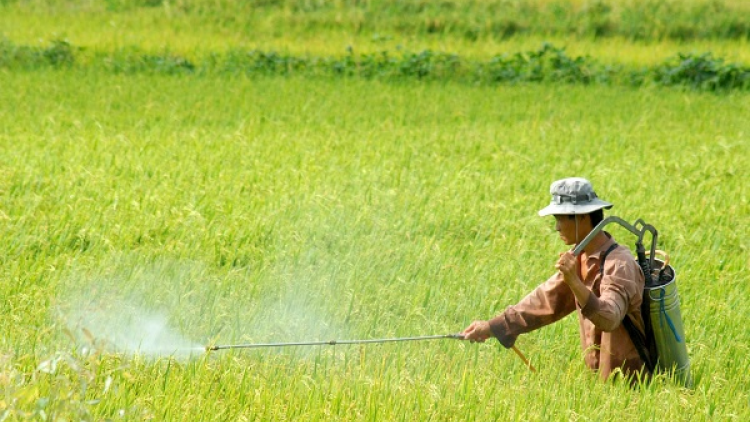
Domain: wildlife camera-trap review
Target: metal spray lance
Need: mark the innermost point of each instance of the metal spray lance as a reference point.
(365, 341)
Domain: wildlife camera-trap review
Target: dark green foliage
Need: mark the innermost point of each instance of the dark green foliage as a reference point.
(134, 61)
(267, 62)
(427, 64)
(548, 64)
(59, 54)
(126, 5)
(703, 72)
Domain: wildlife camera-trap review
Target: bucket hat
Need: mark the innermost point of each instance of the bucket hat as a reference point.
(573, 195)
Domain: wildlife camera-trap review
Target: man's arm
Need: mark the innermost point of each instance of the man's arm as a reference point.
(619, 284)
(546, 304)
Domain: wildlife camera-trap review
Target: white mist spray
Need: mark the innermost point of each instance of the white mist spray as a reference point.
(128, 307)
(157, 309)
(125, 328)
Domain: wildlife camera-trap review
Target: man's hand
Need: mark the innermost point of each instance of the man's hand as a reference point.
(568, 266)
(477, 331)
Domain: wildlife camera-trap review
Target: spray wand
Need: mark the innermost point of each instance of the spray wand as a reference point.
(368, 341)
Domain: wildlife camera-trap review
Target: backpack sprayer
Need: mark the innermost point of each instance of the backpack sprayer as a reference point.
(367, 341)
(662, 346)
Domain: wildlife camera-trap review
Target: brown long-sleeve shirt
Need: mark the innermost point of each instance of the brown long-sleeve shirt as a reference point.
(604, 340)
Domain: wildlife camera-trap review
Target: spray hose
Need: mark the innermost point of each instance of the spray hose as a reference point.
(663, 315)
(367, 341)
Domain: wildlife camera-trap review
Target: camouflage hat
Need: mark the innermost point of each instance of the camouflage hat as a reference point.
(573, 195)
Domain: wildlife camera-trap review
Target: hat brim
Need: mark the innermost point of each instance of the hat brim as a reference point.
(568, 208)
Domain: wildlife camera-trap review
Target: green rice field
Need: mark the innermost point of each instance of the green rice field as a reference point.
(147, 214)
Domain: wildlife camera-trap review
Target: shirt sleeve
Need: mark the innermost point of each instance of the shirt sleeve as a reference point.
(618, 286)
(549, 302)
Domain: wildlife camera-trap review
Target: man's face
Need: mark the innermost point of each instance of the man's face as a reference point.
(566, 227)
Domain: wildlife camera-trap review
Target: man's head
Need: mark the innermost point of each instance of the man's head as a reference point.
(573, 228)
(576, 207)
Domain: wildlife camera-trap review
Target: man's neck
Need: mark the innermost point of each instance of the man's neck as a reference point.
(596, 243)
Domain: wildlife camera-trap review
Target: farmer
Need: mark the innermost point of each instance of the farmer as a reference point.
(601, 301)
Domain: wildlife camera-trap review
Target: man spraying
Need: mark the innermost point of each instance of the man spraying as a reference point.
(602, 297)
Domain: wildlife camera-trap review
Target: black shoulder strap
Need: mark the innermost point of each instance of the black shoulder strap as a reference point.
(636, 336)
(604, 256)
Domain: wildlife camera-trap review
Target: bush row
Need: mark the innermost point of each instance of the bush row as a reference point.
(547, 64)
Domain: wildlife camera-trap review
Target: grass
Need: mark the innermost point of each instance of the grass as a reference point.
(283, 209)
(145, 215)
(329, 28)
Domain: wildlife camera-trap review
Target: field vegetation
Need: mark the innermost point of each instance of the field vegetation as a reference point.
(176, 202)
(635, 32)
